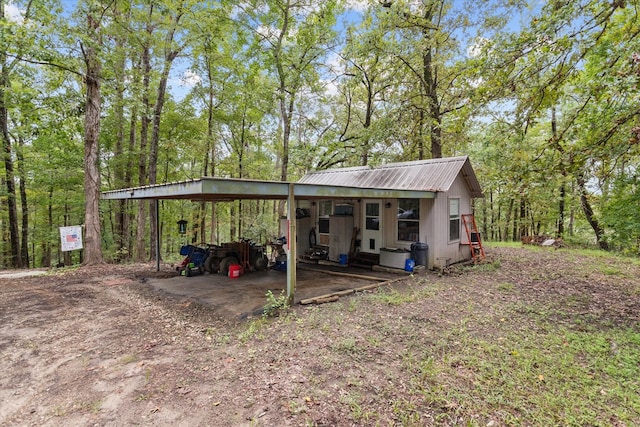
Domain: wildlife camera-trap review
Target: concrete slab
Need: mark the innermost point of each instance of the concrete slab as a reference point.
(246, 296)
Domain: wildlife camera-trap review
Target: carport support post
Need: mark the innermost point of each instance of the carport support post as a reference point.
(291, 241)
(157, 208)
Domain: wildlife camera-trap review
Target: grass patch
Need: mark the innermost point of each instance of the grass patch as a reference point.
(506, 287)
(485, 267)
(130, 358)
(563, 377)
(253, 330)
(392, 296)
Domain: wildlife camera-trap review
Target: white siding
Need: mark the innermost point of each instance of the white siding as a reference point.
(441, 250)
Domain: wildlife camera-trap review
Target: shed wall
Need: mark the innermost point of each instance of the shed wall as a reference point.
(441, 249)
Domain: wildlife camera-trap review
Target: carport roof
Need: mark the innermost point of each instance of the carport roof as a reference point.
(221, 189)
(415, 179)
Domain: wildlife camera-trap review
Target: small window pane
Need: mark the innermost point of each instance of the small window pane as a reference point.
(409, 209)
(454, 229)
(373, 209)
(408, 220)
(454, 208)
(325, 208)
(454, 219)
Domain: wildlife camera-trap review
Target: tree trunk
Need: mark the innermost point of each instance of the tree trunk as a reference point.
(508, 219)
(153, 150)
(170, 56)
(118, 153)
(144, 135)
(128, 181)
(430, 77)
(435, 116)
(563, 172)
(45, 245)
(66, 256)
(92, 244)
(22, 177)
(14, 237)
(588, 212)
(211, 148)
(522, 220)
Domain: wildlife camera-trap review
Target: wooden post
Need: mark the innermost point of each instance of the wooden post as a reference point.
(157, 208)
(291, 243)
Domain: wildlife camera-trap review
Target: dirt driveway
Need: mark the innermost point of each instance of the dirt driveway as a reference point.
(125, 345)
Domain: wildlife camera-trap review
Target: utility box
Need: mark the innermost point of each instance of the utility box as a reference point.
(394, 257)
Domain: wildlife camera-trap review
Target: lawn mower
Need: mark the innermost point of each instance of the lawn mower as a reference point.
(194, 260)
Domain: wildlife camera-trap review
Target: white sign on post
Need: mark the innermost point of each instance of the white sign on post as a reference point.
(71, 238)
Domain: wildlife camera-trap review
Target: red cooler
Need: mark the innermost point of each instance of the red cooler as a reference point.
(235, 271)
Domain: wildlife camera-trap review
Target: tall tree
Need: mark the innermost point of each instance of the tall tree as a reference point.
(296, 35)
(427, 45)
(7, 150)
(93, 79)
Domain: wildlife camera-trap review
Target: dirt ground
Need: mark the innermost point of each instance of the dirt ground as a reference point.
(124, 345)
(76, 345)
(245, 297)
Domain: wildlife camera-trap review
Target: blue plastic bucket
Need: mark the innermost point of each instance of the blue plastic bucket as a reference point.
(280, 266)
(409, 264)
(344, 258)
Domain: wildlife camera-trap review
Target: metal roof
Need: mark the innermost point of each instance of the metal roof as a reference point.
(221, 189)
(417, 179)
(435, 175)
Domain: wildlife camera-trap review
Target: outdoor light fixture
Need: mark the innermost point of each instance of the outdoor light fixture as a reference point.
(387, 205)
(182, 226)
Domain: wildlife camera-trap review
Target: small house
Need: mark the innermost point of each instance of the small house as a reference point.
(385, 230)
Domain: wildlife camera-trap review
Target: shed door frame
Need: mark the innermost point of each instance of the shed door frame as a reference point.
(372, 225)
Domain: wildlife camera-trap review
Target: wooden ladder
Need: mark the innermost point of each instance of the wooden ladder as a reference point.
(473, 237)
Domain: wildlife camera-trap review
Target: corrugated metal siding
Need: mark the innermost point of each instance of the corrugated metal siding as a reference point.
(440, 248)
(423, 175)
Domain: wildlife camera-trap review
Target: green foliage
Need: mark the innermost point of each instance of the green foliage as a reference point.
(275, 89)
(275, 305)
(622, 215)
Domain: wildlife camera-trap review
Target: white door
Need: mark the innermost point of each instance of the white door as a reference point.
(372, 227)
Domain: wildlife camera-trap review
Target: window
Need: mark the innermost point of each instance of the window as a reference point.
(325, 208)
(372, 216)
(454, 219)
(409, 220)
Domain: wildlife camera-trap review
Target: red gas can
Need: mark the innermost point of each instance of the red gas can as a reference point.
(235, 271)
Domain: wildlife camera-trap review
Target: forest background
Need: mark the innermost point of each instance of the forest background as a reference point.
(94, 95)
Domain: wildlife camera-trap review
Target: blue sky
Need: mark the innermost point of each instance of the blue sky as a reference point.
(352, 16)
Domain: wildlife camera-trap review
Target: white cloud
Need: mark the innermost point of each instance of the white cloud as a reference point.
(357, 5)
(190, 78)
(13, 14)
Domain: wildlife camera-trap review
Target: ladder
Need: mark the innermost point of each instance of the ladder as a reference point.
(473, 237)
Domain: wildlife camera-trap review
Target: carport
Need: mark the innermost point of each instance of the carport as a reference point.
(215, 189)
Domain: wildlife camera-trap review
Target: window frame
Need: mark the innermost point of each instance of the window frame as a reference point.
(454, 219)
(414, 219)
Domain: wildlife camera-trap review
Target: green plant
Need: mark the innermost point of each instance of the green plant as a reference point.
(275, 305)
(253, 328)
(505, 287)
(392, 296)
